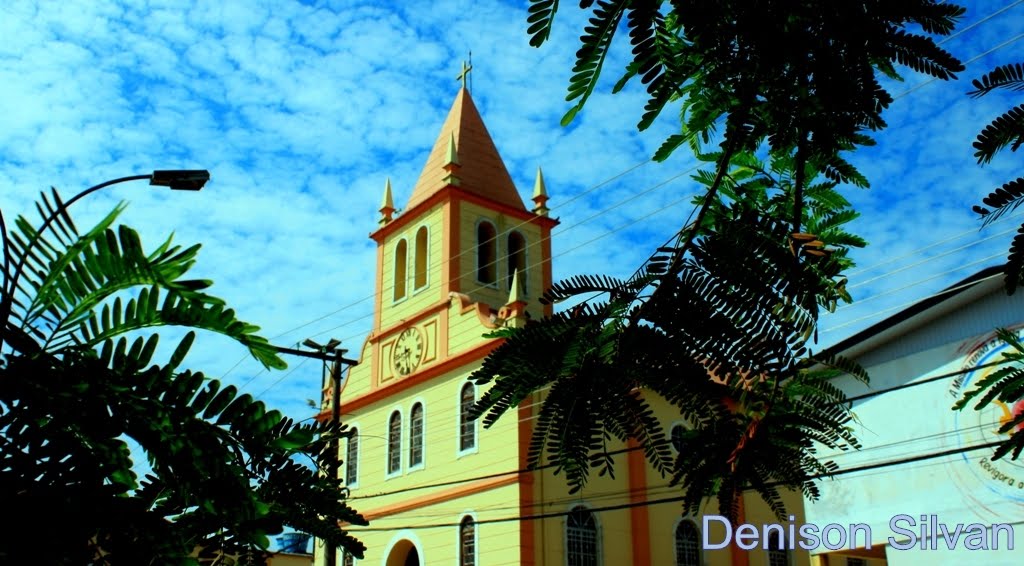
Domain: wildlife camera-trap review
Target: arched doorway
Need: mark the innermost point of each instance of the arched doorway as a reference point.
(404, 553)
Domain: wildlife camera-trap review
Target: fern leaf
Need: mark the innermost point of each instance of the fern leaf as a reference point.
(1006, 130)
(1010, 77)
(1004, 200)
(541, 17)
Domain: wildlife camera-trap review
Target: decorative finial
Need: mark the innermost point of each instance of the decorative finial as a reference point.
(387, 205)
(514, 292)
(451, 162)
(464, 75)
(452, 155)
(540, 195)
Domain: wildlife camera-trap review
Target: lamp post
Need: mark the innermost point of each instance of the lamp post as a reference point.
(330, 550)
(178, 180)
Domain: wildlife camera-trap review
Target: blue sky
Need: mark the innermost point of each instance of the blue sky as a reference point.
(300, 110)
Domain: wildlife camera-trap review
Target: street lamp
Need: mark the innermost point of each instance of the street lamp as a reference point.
(178, 180)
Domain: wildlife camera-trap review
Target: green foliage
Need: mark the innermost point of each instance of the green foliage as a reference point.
(1006, 130)
(1005, 384)
(76, 390)
(786, 71)
(722, 336)
(784, 89)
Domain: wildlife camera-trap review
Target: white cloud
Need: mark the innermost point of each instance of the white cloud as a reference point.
(300, 113)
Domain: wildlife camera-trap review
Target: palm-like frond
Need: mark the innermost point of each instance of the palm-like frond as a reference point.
(1010, 77)
(70, 279)
(713, 339)
(1003, 200)
(596, 40)
(1005, 384)
(1006, 130)
(74, 388)
(541, 18)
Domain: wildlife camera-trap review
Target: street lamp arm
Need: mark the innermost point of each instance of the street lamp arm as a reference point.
(176, 180)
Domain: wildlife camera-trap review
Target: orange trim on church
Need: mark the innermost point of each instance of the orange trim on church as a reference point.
(640, 529)
(379, 293)
(426, 374)
(452, 192)
(740, 557)
(545, 251)
(412, 320)
(527, 555)
(450, 253)
(434, 499)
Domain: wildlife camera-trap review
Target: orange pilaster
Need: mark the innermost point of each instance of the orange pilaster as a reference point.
(641, 529)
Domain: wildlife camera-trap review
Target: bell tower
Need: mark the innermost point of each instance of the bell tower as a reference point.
(463, 257)
(464, 229)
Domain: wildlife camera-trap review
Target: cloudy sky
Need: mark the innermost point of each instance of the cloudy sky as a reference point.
(301, 110)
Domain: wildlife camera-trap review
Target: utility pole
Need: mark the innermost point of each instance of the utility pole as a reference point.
(335, 376)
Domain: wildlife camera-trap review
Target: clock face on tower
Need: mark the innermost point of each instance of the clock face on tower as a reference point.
(408, 351)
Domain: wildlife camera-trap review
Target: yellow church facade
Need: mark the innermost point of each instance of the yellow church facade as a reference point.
(464, 257)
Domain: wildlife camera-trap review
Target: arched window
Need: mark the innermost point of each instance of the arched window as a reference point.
(347, 559)
(467, 426)
(486, 253)
(352, 458)
(467, 542)
(420, 272)
(517, 259)
(677, 437)
(687, 544)
(401, 251)
(416, 435)
(395, 443)
(581, 537)
(778, 557)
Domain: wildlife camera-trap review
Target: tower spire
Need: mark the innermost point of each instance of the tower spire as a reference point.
(540, 195)
(387, 205)
(451, 162)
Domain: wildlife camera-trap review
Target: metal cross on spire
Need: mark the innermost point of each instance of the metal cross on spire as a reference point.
(466, 68)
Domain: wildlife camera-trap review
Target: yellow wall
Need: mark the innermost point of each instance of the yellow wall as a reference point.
(469, 217)
(393, 311)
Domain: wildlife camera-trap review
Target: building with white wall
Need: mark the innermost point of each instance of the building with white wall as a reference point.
(917, 457)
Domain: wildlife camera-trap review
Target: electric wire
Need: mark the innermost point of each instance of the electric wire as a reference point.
(677, 499)
(448, 483)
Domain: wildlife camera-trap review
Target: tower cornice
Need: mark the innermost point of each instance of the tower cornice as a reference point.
(461, 194)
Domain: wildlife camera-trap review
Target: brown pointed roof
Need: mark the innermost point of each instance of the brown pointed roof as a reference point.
(480, 169)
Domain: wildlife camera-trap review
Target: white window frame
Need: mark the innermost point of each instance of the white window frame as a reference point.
(423, 438)
(359, 447)
(675, 531)
(459, 451)
(598, 538)
(387, 444)
(497, 253)
(524, 277)
(426, 274)
(476, 538)
(394, 271)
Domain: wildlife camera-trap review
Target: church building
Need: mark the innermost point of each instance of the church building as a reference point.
(467, 255)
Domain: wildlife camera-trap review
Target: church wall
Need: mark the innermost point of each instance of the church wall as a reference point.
(497, 295)
(497, 543)
(415, 299)
(663, 518)
(442, 461)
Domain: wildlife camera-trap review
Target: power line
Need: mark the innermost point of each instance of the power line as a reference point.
(677, 499)
(520, 471)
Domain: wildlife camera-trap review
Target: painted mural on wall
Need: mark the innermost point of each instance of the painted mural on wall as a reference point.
(995, 488)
